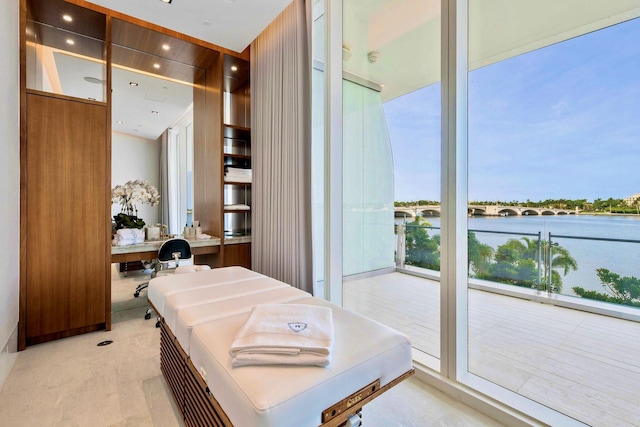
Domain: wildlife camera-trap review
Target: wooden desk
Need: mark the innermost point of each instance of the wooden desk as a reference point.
(149, 250)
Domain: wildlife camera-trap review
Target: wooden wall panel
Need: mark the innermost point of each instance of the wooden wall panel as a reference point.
(207, 148)
(67, 167)
(237, 254)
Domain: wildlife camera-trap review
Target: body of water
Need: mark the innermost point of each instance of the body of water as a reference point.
(618, 257)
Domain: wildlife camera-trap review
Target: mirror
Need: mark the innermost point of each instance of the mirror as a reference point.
(153, 82)
(152, 140)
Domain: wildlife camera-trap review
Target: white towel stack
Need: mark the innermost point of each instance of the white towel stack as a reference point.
(237, 175)
(284, 334)
(128, 236)
(239, 207)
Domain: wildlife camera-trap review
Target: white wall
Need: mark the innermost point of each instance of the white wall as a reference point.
(368, 189)
(136, 158)
(9, 183)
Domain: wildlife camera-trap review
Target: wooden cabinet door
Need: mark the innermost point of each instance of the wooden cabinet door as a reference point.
(66, 217)
(237, 254)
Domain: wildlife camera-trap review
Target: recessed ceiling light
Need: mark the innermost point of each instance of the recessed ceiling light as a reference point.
(165, 46)
(67, 18)
(234, 68)
(166, 1)
(133, 84)
(154, 112)
(71, 42)
(120, 122)
(156, 66)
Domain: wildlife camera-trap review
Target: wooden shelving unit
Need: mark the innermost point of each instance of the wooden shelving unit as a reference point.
(236, 154)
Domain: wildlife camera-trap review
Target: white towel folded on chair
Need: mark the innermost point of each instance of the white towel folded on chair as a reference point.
(284, 334)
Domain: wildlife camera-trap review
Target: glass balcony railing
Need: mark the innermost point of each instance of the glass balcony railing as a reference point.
(588, 268)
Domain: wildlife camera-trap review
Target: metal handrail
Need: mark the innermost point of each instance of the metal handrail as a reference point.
(551, 241)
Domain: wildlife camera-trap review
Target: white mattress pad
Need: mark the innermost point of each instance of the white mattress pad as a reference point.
(194, 315)
(202, 295)
(160, 288)
(278, 396)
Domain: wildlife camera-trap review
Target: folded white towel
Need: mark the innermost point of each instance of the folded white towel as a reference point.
(240, 171)
(237, 178)
(119, 241)
(130, 233)
(284, 334)
(239, 207)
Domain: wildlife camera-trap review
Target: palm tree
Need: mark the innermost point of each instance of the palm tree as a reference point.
(560, 259)
(422, 250)
(480, 255)
(518, 262)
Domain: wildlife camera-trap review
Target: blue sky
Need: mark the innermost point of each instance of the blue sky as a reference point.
(559, 122)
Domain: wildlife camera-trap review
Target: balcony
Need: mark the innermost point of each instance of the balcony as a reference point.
(584, 365)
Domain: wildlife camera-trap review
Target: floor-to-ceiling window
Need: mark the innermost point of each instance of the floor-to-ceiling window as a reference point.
(553, 91)
(391, 159)
(539, 136)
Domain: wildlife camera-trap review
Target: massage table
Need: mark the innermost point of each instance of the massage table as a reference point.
(201, 314)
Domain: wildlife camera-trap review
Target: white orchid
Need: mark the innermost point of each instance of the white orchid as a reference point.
(132, 192)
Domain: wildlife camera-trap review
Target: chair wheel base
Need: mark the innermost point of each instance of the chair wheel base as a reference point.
(147, 316)
(157, 324)
(136, 295)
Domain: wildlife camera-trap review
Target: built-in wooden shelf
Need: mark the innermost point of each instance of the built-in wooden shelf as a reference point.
(237, 156)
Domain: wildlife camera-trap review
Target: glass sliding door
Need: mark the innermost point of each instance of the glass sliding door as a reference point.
(391, 166)
(553, 89)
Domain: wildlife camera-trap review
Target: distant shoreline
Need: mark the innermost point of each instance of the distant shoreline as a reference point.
(607, 214)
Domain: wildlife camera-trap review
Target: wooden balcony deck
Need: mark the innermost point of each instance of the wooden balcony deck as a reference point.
(584, 365)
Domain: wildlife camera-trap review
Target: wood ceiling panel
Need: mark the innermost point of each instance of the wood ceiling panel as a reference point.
(50, 12)
(136, 60)
(149, 41)
(235, 78)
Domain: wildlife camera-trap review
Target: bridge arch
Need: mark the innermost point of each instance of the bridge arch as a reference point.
(507, 212)
(399, 213)
(430, 212)
(530, 212)
(476, 211)
(547, 212)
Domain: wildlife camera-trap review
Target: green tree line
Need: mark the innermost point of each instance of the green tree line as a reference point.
(521, 262)
(609, 205)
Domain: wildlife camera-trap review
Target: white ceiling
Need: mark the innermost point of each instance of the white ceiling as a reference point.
(132, 106)
(406, 34)
(232, 24)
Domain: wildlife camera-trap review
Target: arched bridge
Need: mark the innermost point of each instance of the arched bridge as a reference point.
(482, 210)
